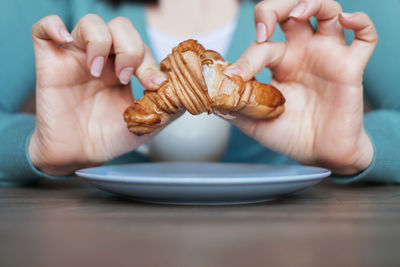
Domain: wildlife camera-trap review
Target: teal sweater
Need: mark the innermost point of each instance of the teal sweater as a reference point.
(17, 84)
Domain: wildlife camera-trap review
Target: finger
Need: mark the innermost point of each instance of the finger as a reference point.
(148, 73)
(325, 11)
(92, 35)
(332, 28)
(320, 9)
(132, 56)
(256, 57)
(128, 48)
(297, 31)
(50, 30)
(365, 35)
(268, 13)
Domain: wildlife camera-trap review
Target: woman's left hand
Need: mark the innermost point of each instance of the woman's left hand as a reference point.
(321, 79)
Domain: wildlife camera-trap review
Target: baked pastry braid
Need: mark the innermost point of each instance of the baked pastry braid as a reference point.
(197, 84)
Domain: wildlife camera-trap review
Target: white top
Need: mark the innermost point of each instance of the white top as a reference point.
(190, 138)
(218, 40)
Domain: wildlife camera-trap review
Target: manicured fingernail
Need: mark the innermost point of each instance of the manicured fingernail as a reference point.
(298, 10)
(66, 36)
(346, 15)
(233, 70)
(97, 66)
(261, 32)
(159, 80)
(126, 75)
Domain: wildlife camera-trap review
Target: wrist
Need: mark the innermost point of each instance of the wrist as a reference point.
(362, 158)
(34, 151)
(45, 161)
(366, 153)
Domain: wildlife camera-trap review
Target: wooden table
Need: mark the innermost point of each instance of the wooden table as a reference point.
(70, 223)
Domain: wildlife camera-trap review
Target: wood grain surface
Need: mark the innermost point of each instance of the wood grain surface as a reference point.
(70, 223)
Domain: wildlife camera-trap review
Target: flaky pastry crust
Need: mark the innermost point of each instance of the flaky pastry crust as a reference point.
(197, 84)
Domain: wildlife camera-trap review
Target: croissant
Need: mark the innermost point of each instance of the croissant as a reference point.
(197, 84)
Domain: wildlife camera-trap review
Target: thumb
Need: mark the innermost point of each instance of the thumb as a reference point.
(256, 57)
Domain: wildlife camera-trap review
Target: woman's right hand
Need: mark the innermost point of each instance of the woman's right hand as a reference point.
(82, 89)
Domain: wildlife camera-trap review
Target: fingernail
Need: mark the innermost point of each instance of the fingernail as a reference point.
(298, 10)
(66, 36)
(346, 15)
(261, 32)
(125, 75)
(97, 66)
(233, 70)
(159, 80)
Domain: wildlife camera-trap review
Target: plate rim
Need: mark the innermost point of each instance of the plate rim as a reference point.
(205, 180)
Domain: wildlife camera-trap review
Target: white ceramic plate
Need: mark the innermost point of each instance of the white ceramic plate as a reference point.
(203, 183)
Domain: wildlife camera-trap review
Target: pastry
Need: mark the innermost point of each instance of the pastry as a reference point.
(197, 84)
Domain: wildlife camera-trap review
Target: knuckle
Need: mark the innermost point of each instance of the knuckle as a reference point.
(316, 4)
(121, 20)
(369, 28)
(365, 17)
(99, 43)
(264, 10)
(100, 39)
(260, 9)
(363, 14)
(36, 26)
(43, 23)
(337, 6)
(91, 17)
(373, 35)
(51, 18)
(47, 20)
(133, 53)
